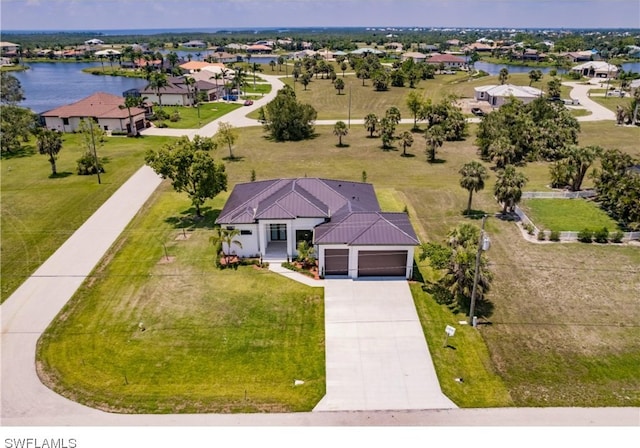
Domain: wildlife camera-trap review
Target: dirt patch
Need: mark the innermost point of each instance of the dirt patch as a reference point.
(183, 236)
(466, 104)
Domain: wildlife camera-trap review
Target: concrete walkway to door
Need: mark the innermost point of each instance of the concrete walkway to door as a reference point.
(376, 354)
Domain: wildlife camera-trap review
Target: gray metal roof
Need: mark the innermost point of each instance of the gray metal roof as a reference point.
(368, 228)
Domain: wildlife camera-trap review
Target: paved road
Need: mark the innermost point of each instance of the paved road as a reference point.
(580, 92)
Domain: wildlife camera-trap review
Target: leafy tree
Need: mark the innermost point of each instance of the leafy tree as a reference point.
(226, 135)
(407, 140)
(415, 103)
(571, 170)
(305, 80)
(535, 76)
(204, 143)
(225, 238)
(49, 143)
(503, 76)
(380, 81)
(553, 88)
(339, 85)
(371, 124)
(473, 176)
(434, 138)
(16, 125)
(191, 171)
(387, 129)
(398, 78)
(288, 120)
(343, 67)
(502, 152)
(340, 130)
(362, 73)
(393, 114)
(508, 187)
(446, 115)
(92, 137)
(10, 89)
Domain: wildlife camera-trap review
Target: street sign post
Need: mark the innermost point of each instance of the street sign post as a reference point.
(450, 332)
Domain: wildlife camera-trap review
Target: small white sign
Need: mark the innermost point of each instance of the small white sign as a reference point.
(450, 330)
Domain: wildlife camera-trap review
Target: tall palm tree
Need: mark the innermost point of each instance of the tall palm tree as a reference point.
(49, 143)
(371, 124)
(508, 187)
(255, 67)
(434, 138)
(503, 75)
(157, 82)
(190, 82)
(406, 138)
(131, 101)
(272, 64)
(340, 130)
(473, 176)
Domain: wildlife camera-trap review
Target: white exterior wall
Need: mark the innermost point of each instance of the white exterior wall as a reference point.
(354, 252)
(113, 124)
(169, 99)
(249, 242)
(264, 234)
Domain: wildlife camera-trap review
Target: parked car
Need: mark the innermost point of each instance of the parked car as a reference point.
(230, 97)
(619, 93)
(477, 112)
(248, 102)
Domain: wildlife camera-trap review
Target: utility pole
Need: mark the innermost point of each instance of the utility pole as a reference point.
(349, 120)
(475, 275)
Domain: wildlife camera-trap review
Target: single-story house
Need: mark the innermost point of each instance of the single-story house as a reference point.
(367, 50)
(341, 219)
(94, 42)
(596, 69)
(176, 93)
(9, 49)
(103, 108)
(194, 66)
(416, 56)
(5, 61)
(448, 60)
(259, 49)
(498, 95)
(194, 44)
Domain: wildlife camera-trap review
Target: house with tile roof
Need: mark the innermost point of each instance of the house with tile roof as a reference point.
(448, 60)
(596, 69)
(341, 219)
(104, 108)
(497, 95)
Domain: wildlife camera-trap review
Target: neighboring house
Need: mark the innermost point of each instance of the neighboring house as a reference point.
(367, 50)
(478, 46)
(223, 57)
(103, 108)
(448, 60)
(206, 82)
(596, 69)
(194, 44)
(416, 56)
(92, 42)
(259, 49)
(498, 95)
(195, 66)
(5, 61)
(176, 93)
(578, 56)
(9, 49)
(342, 219)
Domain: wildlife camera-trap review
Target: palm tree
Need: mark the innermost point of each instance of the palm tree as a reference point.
(339, 85)
(393, 114)
(129, 102)
(50, 143)
(272, 64)
(172, 57)
(371, 124)
(407, 140)
(508, 187)
(434, 138)
(255, 67)
(340, 130)
(225, 238)
(158, 81)
(280, 63)
(473, 176)
(534, 76)
(503, 75)
(190, 82)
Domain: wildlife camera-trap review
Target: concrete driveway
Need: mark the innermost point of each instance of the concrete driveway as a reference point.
(376, 354)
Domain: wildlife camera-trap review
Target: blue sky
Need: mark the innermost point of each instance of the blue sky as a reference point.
(137, 14)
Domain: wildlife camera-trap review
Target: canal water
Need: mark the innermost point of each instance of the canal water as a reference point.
(48, 85)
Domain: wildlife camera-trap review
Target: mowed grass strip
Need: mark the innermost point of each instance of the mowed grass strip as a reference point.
(189, 115)
(40, 212)
(567, 215)
(214, 340)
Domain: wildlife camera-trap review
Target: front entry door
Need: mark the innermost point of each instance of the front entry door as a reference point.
(278, 232)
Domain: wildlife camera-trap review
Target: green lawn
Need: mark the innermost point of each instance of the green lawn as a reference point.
(39, 212)
(567, 215)
(259, 88)
(189, 115)
(214, 341)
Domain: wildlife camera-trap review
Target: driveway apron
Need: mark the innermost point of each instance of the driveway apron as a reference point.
(376, 354)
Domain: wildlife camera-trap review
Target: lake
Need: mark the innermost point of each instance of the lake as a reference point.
(47, 85)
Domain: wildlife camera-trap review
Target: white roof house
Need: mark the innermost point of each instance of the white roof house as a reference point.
(596, 69)
(497, 95)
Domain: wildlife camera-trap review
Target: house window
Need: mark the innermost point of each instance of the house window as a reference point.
(230, 227)
(246, 232)
(65, 121)
(304, 235)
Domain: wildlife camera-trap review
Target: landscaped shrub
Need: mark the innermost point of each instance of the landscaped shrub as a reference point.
(87, 165)
(554, 236)
(162, 124)
(175, 116)
(601, 236)
(529, 228)
(541, 235)
(585, 236)
(616, 237)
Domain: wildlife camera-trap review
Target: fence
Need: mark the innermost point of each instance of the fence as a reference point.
(558, 194)
(565, 236)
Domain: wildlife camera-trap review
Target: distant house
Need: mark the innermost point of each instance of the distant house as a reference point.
(428, 48)
(175, 93)
(103, 108)
(416, 56)
(448, 60)
(9, 49)
(497, 95)
(367, 50)
(259, 49)
(341, 219)
(5, 61)
(195, 66)
(92, 42)
(194, 44)
(477, 46)
(596, 69)
(578, 56)
(223, 57)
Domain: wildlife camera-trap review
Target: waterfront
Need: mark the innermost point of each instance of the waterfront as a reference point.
(48, 85)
